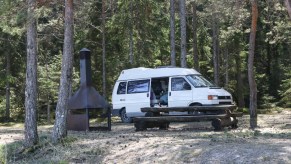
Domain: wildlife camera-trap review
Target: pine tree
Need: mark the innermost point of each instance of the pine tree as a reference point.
(251, 71)
(31, 136)
(60, 129)
(183, 33)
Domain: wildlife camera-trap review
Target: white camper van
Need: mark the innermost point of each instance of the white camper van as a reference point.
(165, 86)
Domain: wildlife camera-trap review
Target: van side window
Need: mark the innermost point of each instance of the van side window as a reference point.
(179, 84)
(121, 88)
(139, 86)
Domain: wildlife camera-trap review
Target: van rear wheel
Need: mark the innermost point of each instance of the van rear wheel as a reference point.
(124, 117)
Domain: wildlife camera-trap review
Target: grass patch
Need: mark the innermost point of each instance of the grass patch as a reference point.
(270, 110)
(231, 136)
(67, 141)
(12, 124)
(3, 154)
(43, 152)
(244, 110)
(69, 150)
(7, 152)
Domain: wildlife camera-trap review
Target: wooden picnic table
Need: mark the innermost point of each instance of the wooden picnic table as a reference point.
(221, 116)
(190, 108)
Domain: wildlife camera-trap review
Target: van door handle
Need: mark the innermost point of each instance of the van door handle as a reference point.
(169, 93)
(147, 94)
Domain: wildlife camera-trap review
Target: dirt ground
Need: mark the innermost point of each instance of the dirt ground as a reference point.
(194, 142)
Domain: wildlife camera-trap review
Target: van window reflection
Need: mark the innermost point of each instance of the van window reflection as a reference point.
(139, 86)
(199, 81)
(179, 84)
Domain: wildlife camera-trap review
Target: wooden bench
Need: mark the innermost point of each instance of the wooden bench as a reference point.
(221, 116)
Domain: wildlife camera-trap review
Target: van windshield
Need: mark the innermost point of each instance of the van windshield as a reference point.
(199, 81)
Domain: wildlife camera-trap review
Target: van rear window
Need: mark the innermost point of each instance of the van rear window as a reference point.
(121, 88)
(139, 86)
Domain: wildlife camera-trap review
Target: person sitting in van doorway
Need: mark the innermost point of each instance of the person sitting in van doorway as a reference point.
(164, 93)
(153, 99)
(164, 98)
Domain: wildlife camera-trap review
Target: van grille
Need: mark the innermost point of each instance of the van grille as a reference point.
(224, 97)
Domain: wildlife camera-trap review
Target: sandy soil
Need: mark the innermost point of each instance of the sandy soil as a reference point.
(183, 143)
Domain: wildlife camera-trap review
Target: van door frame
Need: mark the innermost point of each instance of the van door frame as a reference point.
(182, 97)
(137, 99)
(161, 89)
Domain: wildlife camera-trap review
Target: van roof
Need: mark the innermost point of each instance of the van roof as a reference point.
(144, 73)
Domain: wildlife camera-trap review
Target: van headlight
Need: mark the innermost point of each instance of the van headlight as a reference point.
(212, 97)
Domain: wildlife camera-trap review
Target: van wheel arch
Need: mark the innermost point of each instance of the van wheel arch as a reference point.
(124, 117)
(194, 104)
(120, 110)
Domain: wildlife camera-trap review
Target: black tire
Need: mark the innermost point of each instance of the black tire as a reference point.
(235, 126)
(194, 112)
(216, 124)
(124, 117)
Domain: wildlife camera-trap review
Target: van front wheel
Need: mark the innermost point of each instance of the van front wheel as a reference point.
(125, 118)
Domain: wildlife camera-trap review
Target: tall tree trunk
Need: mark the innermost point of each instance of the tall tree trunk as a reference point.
(31, 136)
(48, 109)
(60, 128)
(194, 28)
(172, 32)
(251, 74)
(7, 111)
(239, 84)
(183, 33)
(103, 49)
(226, 58)
(215, 45)
(131, 35)
(288, 6)
(48, 96)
